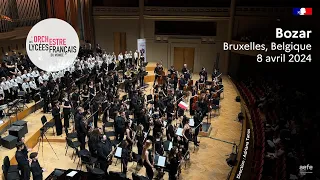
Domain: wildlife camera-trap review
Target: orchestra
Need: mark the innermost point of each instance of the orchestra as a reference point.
(91, 88)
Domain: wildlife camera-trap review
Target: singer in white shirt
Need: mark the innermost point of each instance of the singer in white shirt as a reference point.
(33, 87)
(136, 56)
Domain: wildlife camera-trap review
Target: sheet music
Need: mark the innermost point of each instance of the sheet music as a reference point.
(170, 146)
(72, 173)
(191, 122)
(179, 131)
(118, 152)
(161, 161)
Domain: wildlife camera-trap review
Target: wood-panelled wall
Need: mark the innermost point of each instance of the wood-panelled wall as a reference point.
(73, 9)
(120, 42)
(88, 22)
(57, 9)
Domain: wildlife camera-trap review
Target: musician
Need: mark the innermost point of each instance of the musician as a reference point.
(129, 135)
(35, 167)
(186, 133)
(159, 144)
(6, 88)
(147, 162)
(104, 149)
(197, 121)
(141, 76)
(215, 74)
(122, 63)
(81, 128)
(184, 69)
(157, 71)
(174, 163)
(75, 98)
(44, 92)
(95, 109)
(93, 142)
(57, 118)
(170, 132)
(66, 111)
(202, 81)
(182, 82)
(15, 87)
(136, 57)
(130, 58)
(23, 162)
(98, 49)
(19, 80)
(126, 57)
(140, 138)
(33, 87)
(125, 156)
(187, 76)
(92, 90)
(26, 88)
(120, 126)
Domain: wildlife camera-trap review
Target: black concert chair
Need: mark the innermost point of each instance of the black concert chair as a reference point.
(110, 133)
(74, 145)
(10, 172)
(70, 135)
(108, 124)
(47, 125)
(86, 159)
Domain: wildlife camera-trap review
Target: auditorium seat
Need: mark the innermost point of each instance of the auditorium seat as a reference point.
(73, 144)
(47, 125)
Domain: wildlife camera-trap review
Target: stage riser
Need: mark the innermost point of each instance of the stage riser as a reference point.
(21, 115)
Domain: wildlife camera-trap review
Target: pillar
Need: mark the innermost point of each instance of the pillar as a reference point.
(141, 19)
(230, 34)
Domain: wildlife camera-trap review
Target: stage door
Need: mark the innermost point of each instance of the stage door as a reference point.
(183, 55)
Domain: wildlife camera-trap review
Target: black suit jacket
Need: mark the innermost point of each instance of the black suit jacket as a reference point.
(36, 170)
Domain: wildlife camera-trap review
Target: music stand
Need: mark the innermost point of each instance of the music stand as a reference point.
(167, 145)
(160, 163)
(118, 155)
(179, 132)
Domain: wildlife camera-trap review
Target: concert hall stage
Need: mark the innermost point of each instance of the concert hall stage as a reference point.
(207, 162)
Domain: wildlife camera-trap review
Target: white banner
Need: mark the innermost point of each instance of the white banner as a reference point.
(142, 48)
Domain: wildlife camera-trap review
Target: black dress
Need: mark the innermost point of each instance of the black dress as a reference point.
(57, 120)
(174, 163)
(66, 113)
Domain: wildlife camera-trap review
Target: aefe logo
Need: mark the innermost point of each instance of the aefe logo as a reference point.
(306, 169)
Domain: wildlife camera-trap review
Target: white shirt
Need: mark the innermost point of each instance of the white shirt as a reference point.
(1, 91)
(33, 85)
(40, 79)
(130, 55)
(14, 83)
(120, 57)
(126, 56)
(24, 76)
(35, 73)
(45, 77)
(25, 86)
(8, 83)
(19, 80)
(135, 55)
(5, 86)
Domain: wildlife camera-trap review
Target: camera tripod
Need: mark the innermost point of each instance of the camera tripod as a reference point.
(40, 141)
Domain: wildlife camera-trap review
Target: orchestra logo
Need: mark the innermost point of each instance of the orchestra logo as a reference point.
(52, 45)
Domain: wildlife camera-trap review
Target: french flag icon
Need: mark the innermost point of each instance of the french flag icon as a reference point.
(302, 11)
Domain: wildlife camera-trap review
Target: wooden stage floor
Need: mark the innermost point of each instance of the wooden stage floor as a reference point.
(208, 162)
